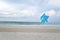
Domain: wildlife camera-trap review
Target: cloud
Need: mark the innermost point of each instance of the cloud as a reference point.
(6, 10)
(29, 9)
(55, 3)
(5, 6)
(9, 10)
(51, 12)
(58, 13)
(21, 9)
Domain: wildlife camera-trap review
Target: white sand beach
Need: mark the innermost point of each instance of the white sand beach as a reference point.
(29, 33)
(29, 36)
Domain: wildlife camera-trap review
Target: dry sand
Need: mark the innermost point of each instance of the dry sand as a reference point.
(29, 33)
(29, 36)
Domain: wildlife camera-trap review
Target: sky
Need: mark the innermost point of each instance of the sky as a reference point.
(29, 10)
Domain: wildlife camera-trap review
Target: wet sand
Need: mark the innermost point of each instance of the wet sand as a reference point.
(29, 29)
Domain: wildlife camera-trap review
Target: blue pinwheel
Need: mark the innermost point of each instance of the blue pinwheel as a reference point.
(44, 18)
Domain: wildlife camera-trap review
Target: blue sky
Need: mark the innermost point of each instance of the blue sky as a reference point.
(29, 10)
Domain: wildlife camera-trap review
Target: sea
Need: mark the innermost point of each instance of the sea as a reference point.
(15, 24)
(25, 23)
